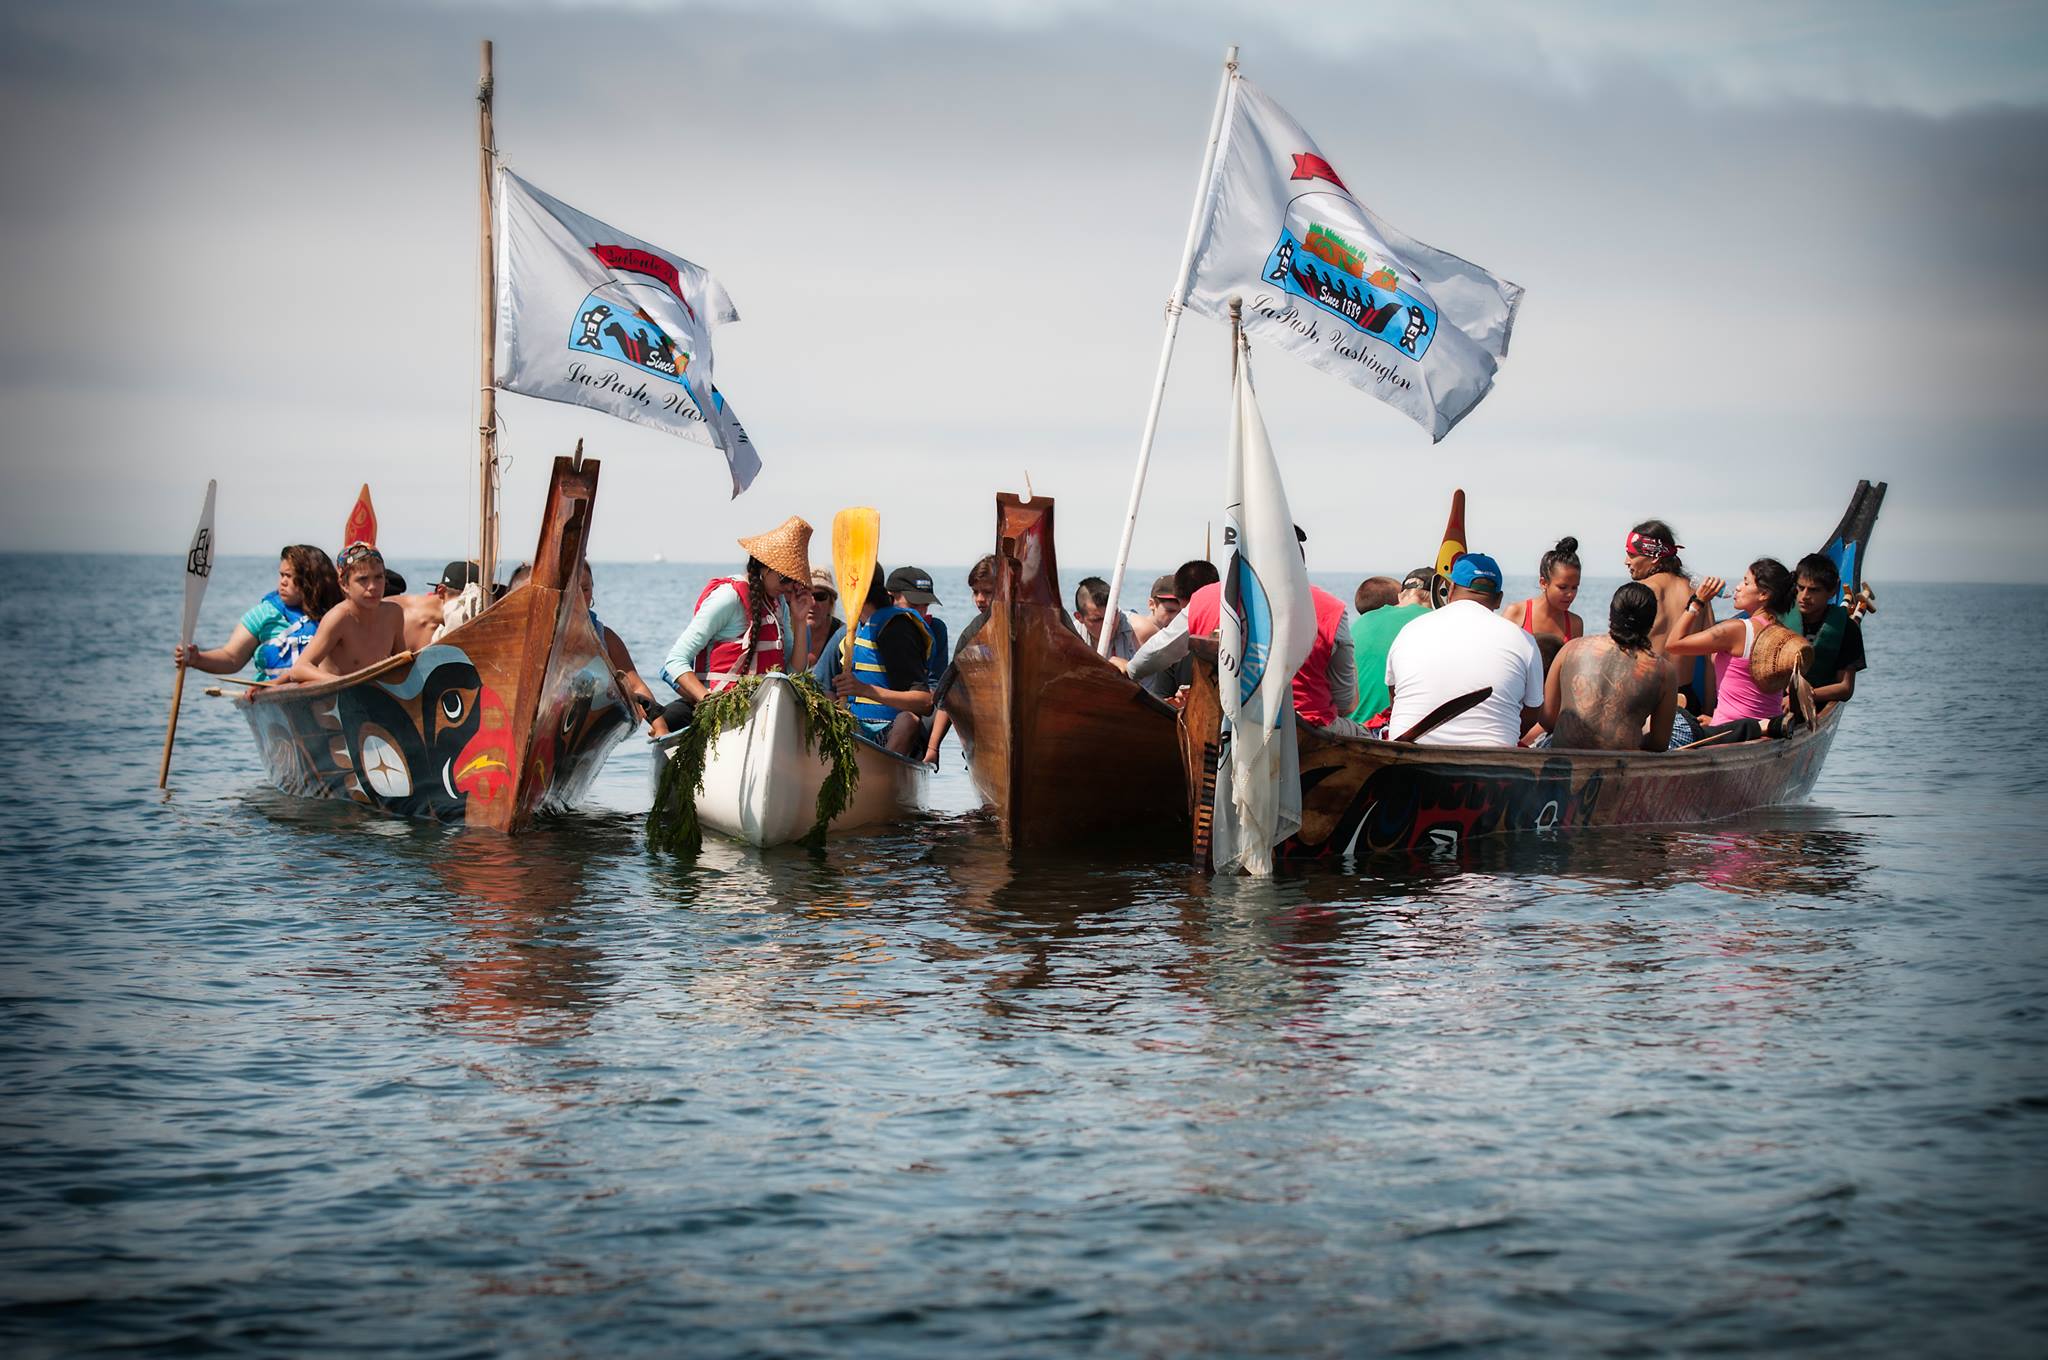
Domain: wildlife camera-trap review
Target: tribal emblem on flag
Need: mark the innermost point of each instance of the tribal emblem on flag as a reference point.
(199, 562)
(1345, 279)
(1244, 599)
(599, 330)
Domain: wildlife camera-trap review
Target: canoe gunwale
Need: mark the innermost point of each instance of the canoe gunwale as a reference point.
(1364, 795)
(667, 741)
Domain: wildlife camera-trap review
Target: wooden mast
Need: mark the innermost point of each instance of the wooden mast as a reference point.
(487, 425)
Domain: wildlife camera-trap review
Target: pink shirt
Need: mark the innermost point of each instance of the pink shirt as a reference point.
(1739, 696)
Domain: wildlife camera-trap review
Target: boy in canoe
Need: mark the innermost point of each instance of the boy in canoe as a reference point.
(362, 630)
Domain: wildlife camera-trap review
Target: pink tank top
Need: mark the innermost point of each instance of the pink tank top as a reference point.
(1739, 696)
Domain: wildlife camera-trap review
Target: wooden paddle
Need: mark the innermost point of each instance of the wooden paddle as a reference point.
(856, 544)
(1703, 741)
(198, 571)
(1446, 711)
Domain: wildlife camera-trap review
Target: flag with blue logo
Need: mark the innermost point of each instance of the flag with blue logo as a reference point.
(594, 317)
(1267, 627)
(1327, 280)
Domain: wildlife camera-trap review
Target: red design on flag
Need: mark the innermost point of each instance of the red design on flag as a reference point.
(1308, 165)
(362, 521)
(636, 261)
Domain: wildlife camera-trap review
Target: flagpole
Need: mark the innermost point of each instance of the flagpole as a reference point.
(487, 425)
(1173, 310)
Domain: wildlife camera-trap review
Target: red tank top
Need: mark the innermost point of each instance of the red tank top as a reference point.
(1529, 619)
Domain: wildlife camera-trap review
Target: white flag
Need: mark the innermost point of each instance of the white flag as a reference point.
(1326, 280)
(198, 567)
(1267, 627)
(594, 317)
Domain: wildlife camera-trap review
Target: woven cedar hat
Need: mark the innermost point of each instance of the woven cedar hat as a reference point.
(1776, 656)
(786, 548)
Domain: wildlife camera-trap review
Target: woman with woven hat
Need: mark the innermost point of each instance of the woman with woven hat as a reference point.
(1753, 664)
(743, 625)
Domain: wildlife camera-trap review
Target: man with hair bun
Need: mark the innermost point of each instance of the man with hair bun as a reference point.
(1603, 691)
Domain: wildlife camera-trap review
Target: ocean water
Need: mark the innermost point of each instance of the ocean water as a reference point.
(280, 1078)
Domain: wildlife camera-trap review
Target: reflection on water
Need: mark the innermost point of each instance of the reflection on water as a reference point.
(278, 1073)
(521, 970)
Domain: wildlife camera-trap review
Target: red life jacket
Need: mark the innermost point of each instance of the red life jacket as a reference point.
(719, 664)
(1312, 702)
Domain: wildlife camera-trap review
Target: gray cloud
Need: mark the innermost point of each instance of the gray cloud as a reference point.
(239, 241)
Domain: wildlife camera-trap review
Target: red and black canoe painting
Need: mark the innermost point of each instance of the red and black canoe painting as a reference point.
(511, 714)
(1364, 796)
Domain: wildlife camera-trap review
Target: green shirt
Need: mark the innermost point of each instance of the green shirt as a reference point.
(1371, 635)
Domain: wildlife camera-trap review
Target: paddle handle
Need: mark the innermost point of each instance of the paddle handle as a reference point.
(163, 773)
(1446, 711)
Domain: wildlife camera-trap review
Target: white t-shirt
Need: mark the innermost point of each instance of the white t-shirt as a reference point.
(1455, 650)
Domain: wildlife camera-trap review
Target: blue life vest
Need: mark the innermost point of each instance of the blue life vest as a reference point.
(868, 668)
(275, 655)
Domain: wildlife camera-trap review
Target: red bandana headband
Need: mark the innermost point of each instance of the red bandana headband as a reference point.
(1642, 545)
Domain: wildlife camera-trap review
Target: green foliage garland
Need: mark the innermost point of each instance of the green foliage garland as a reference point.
(829, 730)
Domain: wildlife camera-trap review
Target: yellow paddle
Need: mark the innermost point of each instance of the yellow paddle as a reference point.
(856, 543)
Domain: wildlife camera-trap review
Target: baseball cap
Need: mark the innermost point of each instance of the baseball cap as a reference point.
(1476, 571)
(913, 584)
(1418, 579)
(822, 580)
(456, 575)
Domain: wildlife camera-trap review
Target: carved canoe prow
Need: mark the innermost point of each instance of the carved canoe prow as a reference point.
(1065, 748)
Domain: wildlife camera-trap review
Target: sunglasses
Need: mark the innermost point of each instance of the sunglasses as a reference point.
(1166, 599)
(823, 596)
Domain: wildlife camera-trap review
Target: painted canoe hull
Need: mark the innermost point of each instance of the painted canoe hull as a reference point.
(1365, 796)
(509, 715)
(761, 779)
(1066, 749)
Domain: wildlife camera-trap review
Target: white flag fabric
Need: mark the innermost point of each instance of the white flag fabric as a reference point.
(198, 566)
(1267, 627)
(594, 317)
(1325, 279)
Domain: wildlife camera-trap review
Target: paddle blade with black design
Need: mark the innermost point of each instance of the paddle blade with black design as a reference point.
(198, 571)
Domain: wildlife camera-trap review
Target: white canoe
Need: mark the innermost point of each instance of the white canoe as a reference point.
(761, 779)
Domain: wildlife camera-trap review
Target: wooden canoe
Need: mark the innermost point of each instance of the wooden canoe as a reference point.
(761, 778)
(1064, 747)
(510, 714)
(1364, 796)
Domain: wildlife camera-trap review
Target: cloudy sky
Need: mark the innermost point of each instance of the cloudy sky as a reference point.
(1769, 248)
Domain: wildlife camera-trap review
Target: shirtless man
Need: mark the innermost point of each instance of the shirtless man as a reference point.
(362, 630)
(1651, 555)
(1603, 690)
(424, 614)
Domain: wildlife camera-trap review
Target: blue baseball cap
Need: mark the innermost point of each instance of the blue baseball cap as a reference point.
(1476, 571)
